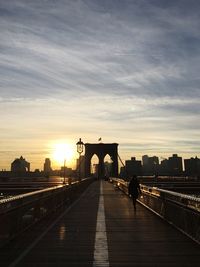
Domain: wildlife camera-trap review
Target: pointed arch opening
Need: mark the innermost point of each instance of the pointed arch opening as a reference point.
(107, 166)
(94, 166)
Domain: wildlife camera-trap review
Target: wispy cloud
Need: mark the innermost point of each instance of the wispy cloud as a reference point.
(100, 67)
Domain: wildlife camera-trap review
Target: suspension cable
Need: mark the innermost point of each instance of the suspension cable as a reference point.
(121, 160)
(126, 173)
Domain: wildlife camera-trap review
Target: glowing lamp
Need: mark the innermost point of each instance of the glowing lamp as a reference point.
(79, 145)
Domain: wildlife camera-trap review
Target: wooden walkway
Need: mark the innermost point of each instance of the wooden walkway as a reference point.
(130, 238)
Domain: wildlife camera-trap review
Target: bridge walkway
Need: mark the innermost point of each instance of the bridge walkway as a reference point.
(102, 229)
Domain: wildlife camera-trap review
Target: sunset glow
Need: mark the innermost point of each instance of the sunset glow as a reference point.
(61, 152)
(126, 71)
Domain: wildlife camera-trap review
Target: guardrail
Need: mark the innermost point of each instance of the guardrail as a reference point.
(22, 211)
(180, 210)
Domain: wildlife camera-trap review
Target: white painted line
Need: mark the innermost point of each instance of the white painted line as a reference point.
(29, 248)
(101, 245)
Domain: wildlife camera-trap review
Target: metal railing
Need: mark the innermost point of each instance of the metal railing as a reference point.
(180, 210)
(22, 211)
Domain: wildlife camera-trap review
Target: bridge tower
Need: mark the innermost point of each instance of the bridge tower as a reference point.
(101, 150)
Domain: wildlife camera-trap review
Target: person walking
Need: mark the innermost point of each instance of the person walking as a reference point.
(134, 189)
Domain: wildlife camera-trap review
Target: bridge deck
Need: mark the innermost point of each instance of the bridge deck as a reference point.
(133, 238)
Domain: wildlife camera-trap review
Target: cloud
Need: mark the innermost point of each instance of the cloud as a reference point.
(92, 49)
(100, 67)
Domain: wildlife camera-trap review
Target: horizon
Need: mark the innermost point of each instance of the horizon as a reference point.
(71, 163)
(126, 71)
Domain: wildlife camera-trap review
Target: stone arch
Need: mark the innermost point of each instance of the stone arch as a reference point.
(101, 150)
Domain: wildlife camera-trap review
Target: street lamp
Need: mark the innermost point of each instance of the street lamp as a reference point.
(80, 146)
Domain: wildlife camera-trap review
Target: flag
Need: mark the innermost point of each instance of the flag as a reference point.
(99, 139)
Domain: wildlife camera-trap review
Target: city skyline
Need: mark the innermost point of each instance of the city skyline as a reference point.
(68, 164)
(125, 71)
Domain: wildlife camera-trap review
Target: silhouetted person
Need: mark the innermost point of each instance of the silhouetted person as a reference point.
(134, 189)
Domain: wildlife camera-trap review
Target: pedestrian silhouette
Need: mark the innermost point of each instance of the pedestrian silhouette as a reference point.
(134, 189)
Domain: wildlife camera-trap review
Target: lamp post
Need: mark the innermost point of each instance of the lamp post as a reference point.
(80, 146)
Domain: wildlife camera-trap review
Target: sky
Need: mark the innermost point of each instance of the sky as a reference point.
(126, 71)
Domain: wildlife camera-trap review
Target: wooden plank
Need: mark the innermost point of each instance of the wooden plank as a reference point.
(134, 238)
(141, 238)
(70, 242)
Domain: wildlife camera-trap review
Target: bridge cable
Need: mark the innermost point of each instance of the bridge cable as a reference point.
(123, 166)
(121, 160)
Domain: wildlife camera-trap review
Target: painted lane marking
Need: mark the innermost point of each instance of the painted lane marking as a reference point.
(101, 244)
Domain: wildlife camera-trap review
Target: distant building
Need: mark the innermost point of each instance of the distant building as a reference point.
(145, 160)
(164, 167)
(20, 166)
(192, 166)
(95, 170)
(133, 167)
(107, 169)
(122, 173)
(150, 165)
(175, 165)
(65, 171)
(47, 167)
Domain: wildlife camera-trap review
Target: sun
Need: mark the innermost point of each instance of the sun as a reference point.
(63, 152)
